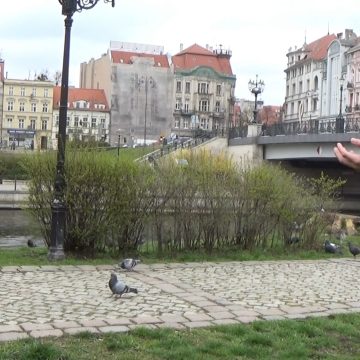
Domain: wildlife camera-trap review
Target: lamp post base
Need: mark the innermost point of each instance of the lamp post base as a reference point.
(56, 253)
(56, 250)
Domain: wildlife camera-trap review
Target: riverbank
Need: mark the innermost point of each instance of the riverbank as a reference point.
(13, 194)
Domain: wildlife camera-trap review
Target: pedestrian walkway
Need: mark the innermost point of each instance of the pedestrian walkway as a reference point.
(56, 300)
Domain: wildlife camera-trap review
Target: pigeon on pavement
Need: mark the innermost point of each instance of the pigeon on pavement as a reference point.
(30, 243)
(129, 264)
(354, 249)
(118, 287)
(331, 247)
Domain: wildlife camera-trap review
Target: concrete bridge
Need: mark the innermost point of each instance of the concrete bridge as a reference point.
(306, 153)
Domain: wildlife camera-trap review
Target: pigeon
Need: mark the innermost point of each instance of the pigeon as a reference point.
(129, 264)
(331, 247)
(118, 287)
(30, 243)
(354, 249)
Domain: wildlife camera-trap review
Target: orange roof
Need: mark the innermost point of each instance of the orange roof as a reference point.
(269, 114)
(318, 48)
(125, 57)
(93, 96)
(195, 56)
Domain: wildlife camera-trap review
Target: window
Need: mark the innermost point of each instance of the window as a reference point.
(293, 89)
(21, 106)
(218, 90)
(176, 123)
(187, 87)
(186, 124)
(93, 123)
(186, 106)
(292, 108)
(76, 121)
(44, 124)
(287, 90)
(32, 124)
(45, 107)
(11, 90)
(203, 88)
(178, 86)
(9, 122)
(46, 92)
(10, 105)
(203, 105)
(85, 122)
(102, 121)
(204, 123)
(316, 83)
(22, 91)
(307, 84)
(178, 104)
(217, 106)
(33, 92)
(300, 87)
(21, 123)
(33, 107)
(67, 121)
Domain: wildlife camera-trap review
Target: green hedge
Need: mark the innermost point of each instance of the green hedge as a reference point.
(114, 204)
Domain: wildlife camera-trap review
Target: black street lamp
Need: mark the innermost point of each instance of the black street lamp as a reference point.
(58, 206)
(340, 117)
(256, 87)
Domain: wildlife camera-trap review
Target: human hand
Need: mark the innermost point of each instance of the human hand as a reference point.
(346, 157)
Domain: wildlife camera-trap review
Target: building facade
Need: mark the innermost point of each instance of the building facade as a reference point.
(138, 80)
(88, 115)
(27, 113)
(321, 78)
(2, 76)
(204, 88)
(305, 75)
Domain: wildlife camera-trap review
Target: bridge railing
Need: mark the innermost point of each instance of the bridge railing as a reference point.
(324, 125)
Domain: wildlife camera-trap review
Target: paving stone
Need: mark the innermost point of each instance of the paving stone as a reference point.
(82, 329)
(11, 269)
(46, 333)
(121, 321)
(65, 324)
(221, 315)
(36, 327)
(170, 318)
(92, 323)
(9, 328)
(171, 325)
(197, 324)
(10, 336)
(115, 328)
(247, 319)
(197, 317)
(225, 322)
(146, 320)
(146, 326)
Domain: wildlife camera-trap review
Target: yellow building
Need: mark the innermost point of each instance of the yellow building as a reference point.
(27, 113)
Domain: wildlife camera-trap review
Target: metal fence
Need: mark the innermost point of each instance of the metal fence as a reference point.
(325, 125)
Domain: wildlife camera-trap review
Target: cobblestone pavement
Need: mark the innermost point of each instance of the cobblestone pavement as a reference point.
(55, 300)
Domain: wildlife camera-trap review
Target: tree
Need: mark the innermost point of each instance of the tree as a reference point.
(57, 77)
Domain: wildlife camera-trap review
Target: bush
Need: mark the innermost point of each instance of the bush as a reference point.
(11, 167)
(114, 203)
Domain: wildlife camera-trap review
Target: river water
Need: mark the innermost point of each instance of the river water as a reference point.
(17, 227)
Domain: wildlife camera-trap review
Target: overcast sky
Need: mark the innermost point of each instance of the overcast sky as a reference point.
(259, 33)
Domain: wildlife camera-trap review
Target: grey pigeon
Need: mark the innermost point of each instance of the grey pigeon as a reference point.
(129, 264)
(30, 243)
(118, 287)
(354, 249)
(331, 247)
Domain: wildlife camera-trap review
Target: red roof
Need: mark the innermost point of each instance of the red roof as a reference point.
(126, 57)
(318, 48)
(93, 96)
(195, 56)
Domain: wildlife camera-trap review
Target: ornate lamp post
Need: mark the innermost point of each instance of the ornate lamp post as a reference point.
(340, 117)
(146, 81)
(256, 87)
(58, 207)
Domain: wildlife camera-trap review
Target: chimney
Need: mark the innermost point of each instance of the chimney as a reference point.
(181, 46)
(339, 35)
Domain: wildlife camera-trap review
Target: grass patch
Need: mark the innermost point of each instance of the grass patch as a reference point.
(38, 256)
(316, 338)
